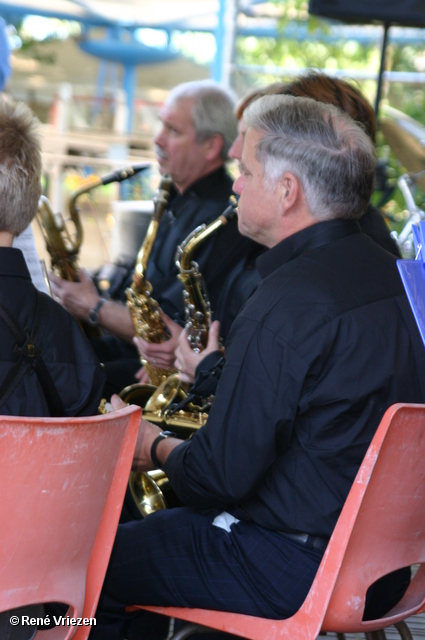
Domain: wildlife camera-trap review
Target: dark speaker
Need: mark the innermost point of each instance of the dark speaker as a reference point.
(409, 13)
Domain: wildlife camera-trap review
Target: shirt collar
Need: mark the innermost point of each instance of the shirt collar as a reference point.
(305, 240)
(12, 263)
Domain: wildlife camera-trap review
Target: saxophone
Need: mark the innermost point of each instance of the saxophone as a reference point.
(62, 247)
(197, 305)
(151, 490)
(156, 400)
(62, 244)
(144, 310)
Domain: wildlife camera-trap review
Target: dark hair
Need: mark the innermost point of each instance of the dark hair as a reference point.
(321, 88)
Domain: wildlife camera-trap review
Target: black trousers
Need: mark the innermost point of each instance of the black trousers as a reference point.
(178, 557)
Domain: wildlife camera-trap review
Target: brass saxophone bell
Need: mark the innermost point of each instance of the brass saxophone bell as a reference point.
(137, 394)
(146, 493)
(166, 394)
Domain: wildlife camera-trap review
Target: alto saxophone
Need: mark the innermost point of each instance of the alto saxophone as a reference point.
(144, 310)
(196, 302)
(62, 245)
(198, 313)
(151, 491)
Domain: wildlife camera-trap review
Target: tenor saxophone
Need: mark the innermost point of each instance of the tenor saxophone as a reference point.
(62, 244)
(151, 491)
(144, 310)
(156, 399)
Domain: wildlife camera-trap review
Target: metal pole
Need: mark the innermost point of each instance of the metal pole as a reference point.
(224, 38)
(382, 67)
(129, 84)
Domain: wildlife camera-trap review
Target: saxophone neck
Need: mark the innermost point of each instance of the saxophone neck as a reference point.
(143, 255)
(190, 244)
(96, 181)
(74, 210)
(160, 201)
(161, 197)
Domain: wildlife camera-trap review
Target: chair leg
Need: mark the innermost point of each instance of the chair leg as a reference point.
(401, 627)
(376, 635)
(403, 630)
(190, 629)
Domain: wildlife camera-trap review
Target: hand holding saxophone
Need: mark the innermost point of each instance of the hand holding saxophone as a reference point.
(187, 360)
(77, 297)
(148, 433)
(160, 354)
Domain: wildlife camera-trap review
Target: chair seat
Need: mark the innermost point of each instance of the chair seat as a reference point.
(381, 529)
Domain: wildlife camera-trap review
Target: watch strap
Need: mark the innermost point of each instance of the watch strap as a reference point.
(161, 436)
(94, 313)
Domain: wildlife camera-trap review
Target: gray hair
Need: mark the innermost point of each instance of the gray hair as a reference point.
(332, 156)
(212, 113)
(20, 166)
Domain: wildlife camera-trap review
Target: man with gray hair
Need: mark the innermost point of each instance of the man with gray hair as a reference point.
(198, 128)
(322, 348)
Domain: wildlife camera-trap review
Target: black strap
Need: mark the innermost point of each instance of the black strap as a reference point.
(30, 358)
(205, 384)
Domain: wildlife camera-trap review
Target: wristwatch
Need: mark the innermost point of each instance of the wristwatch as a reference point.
(93, 318)
(161, 436)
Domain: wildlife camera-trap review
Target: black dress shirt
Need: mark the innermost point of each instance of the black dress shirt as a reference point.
(372, 223)
(322, 348)
(225, 254)
(244, 277)
(69, 358)
(217, 257)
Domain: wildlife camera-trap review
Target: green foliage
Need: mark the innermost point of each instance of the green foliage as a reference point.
(317, 51)
(38, 50)
(37, 33)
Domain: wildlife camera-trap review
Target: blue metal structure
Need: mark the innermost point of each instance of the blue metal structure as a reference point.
(4, 55)
(120, 46)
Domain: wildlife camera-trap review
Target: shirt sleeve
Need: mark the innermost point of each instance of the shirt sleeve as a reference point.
(250, 423)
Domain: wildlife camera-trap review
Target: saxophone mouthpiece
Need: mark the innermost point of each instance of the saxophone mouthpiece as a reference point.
(124, 174)
(231, 211)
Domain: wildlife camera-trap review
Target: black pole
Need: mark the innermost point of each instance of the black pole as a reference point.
(382, 66)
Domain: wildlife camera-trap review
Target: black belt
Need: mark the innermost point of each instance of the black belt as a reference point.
(311, 542)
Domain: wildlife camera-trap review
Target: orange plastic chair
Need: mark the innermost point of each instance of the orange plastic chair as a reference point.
(381, 528)
(62, 484)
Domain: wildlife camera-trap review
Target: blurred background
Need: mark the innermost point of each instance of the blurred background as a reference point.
(96, 72)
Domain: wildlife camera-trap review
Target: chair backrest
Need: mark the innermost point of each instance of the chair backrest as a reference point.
(381, 528)
(62, 483)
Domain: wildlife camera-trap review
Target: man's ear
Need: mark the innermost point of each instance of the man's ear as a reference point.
(213, 146)
(290, 190)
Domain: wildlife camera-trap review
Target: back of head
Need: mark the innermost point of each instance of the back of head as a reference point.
(325, 149)
(322, 88)
(213, 110)
(340, 93)
(20, 166)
